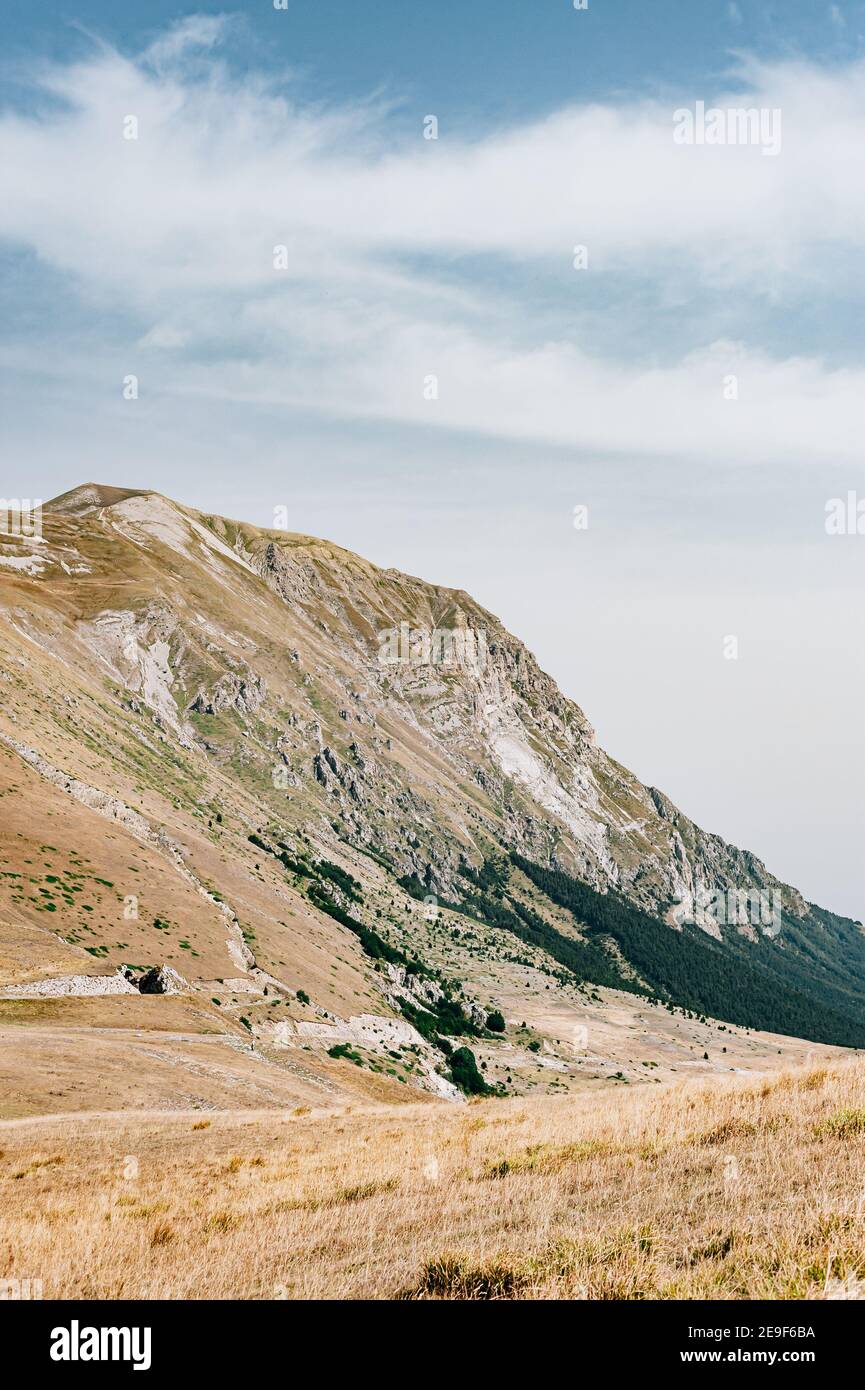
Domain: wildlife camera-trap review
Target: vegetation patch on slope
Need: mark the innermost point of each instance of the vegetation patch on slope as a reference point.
(733, 980)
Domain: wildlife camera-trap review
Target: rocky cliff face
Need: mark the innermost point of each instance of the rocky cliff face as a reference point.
(478, 705)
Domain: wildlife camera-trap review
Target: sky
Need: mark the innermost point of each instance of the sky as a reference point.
(434, 350)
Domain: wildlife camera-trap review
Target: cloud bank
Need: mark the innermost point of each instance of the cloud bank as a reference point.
(266, 249)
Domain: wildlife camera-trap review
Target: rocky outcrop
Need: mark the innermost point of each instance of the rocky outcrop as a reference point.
(109, 806)
(141, 651)
(406, 984)
(159, 979)
(377, 1034)
(243, 694)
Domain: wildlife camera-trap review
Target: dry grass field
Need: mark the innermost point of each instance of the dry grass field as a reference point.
(731, 1189)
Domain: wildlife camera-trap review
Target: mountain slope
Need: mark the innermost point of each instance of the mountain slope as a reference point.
(335, 779)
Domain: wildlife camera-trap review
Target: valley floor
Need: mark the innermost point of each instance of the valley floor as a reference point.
(735, 1188)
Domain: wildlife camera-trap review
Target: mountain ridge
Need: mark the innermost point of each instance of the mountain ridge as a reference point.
(105, 495)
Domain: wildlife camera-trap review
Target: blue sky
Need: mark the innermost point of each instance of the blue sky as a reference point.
(477, 59)
(408, 259)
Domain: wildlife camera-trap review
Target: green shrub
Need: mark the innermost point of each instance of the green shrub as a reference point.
(343, 1050)
(464, 1070)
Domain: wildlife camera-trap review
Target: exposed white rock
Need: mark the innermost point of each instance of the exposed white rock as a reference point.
(152, 515)
(28, 564)
(377, 1033)
(517, 759)
(64, 986)
(136, 652)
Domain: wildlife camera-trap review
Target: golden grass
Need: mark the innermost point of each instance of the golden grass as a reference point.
(726, 1190)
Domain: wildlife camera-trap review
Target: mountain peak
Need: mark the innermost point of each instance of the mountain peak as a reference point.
(89, 497)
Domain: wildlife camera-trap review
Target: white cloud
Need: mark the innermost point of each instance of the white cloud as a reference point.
(222, 169)
(166, 336)
(348, 363)
(185, 35)
(178, 227)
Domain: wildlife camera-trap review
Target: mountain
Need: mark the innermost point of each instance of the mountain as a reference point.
(318, 802)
